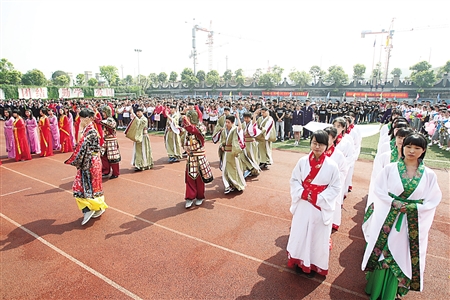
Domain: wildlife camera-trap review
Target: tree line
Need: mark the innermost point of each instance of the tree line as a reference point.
(422, 75)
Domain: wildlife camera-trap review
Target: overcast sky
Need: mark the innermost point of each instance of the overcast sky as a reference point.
(78, 36)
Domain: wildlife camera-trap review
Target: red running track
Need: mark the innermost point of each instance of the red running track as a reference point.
(148, 246)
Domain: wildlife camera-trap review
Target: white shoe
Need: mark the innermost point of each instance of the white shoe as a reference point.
(189, 203)
(228, 190)
(430, 144)
(199, 202)
(98, 213)
(87, 216)
(247, 173)
(448, 149)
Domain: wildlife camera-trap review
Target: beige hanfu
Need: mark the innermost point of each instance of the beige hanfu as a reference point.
(232, 142)
(250, 156)
(172, 139)
(142, 151)
(265, 139)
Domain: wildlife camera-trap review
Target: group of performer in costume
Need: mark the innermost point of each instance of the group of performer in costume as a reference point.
(402, 199)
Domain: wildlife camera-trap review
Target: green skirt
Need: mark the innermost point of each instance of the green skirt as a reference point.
(381, 284)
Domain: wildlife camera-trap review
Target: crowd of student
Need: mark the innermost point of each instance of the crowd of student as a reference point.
(403, 193)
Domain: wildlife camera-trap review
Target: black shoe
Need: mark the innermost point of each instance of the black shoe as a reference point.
(137, 169)
(105, 175)
(113, 177)
(311, 275)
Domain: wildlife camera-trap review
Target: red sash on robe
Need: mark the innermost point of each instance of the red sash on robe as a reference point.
(338, 139)
(311, 191)
(330, 150)
(350, 128)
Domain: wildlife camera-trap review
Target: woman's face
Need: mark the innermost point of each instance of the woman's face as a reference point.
(399, 141)
(317, 148)
(27, 113)
(339, 127)
(412, 152)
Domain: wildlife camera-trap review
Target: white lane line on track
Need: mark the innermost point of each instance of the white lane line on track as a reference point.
(218, 246)
(201, 241)
(280, 268)
(73, 259)
(7, 194)
(70, 177)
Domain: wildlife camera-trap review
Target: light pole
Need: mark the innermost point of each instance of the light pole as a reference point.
(138, 51)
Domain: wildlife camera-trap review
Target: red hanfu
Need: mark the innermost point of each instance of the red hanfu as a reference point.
(64, 134)
(20, 140)
(45, 135)
(98, 126)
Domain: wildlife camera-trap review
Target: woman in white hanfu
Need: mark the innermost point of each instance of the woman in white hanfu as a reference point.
(378, 165)
(406, 194)
(315, 184)
(338, 157)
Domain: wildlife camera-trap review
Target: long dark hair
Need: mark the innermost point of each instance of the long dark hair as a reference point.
(86, 113)
(9, 114)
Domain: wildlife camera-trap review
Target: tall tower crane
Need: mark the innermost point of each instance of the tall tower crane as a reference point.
(209, 42)
(390, 35)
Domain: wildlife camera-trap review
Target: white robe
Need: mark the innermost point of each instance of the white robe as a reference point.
(311, 228)
(355, 133)
(384, 135)
(398, 242)
(348, 149)
(339, 158)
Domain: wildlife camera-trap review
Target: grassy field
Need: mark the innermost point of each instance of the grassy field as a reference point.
(435, 157)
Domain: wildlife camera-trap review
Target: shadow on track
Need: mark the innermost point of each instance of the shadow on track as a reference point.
(278, 284)
(18, 237)
(153, 215)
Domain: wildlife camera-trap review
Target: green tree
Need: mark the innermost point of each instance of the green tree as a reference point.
(81, 80)
(162, 77)
(445, 69)
(238, 72)
(173, 76)
(227, 75)
(212, 78)
(58, 73)
(128, 80)
(300, 78)
(8, 75)
(61, 80)
(257, 75)
(377, 73)
(34, 77)
(110, 73)
(277, 72)
(153, 79)
(336, 75)
(358, 71)
(240, 79)
(92, 81)
(316, 72)
(201, 75)
(396, 72)
(422, 75)
(144, 81)
(188, 78)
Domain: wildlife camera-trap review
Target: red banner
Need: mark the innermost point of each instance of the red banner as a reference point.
(376, 95)
(284, 94)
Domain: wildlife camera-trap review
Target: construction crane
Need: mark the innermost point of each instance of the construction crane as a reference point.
(209, 42)
(390, 35)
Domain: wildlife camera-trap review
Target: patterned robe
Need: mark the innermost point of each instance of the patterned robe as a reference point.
(398, 241)
(87, 186)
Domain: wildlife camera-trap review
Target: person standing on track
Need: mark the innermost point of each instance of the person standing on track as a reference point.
(198, 171)
(20, 138)
(265, 139)
(87, 186)
(405, 196)
(315, 185)
(137, 131)
(172, 139)
(45, 134)
(110, 149)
